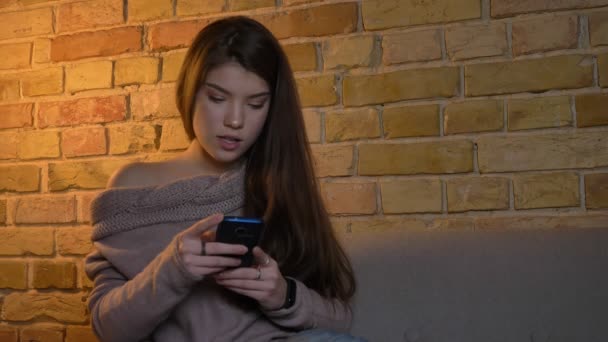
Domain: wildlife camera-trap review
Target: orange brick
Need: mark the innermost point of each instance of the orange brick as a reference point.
(80, 334)
(467, 42)
(20, 178)
(411, 47)
(25, 306)
(15, 56)
(42, 50)
(138, 70)
(8, 148)
(194, 7)
(38, 144)
(85, 141)
(353, 124)
(154, 104)
(298, 2)
(302, 57)
(596, 190)
(89, 14)
(529, 76)
(82, 111)
(315, 21)
(602, 62)
(133, 138)
(26, 23)
(312, 121)
(9, 89)
(87, 76)
(455, 156)
(43, 82)
(16, 115)
(598, 28)
(474, 116)
(545, 34)
(546, 190)
(584, 221)
(140, 10)
(19, 241)
(411, 196)
(172, 35)
(53, 274)
(84, 206)
(2, 212)
(348, 52)
(503, 8)
(591, 110)
(55, 209)
(551, 151)
(401, 85)
(172, 65)
(242, 5)
(173, 136)
(8, 333)
(333, 160)
(317, 91)
(42, 333)
(478, 193)
(95, 44)
(82, 175)
(13, 275)
(539, 113)
(74, 240)
(411, 121)
(349, 198)
(382, 14)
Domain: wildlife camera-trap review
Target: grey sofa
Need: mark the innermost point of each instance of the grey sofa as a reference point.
(525, 285)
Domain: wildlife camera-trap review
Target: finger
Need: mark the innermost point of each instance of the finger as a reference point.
(205, 224)
(206, 270)
(214, 261)
(239, 273)
(261, 258)
(251, 285)
(220, 248)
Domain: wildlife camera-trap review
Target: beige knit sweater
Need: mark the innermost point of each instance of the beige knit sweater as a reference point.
(143, 291)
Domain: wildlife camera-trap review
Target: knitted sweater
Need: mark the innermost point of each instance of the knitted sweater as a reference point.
(142, 289)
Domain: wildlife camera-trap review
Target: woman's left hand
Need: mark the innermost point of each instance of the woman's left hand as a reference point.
(262, 282)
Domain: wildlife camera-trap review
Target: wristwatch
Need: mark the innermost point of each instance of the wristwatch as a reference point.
(290, 299)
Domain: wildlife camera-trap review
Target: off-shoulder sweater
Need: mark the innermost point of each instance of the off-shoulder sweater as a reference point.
(142, 290)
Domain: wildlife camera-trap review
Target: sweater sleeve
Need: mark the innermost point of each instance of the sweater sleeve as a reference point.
(130, 310)
(311, 311)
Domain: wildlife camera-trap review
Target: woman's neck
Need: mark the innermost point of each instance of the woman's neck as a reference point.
(196, 157)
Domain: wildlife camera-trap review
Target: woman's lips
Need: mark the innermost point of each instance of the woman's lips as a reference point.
(229, 143)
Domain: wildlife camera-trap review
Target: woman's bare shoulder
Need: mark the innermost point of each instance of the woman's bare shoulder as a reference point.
(138, 174)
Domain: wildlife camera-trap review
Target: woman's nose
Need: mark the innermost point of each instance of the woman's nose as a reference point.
(234, 118)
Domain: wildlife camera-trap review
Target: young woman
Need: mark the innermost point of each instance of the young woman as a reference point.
(158, 272)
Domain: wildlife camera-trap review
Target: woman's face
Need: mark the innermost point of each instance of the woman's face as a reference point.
(230, 110)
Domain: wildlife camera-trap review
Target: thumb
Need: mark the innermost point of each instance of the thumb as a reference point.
(203, 225)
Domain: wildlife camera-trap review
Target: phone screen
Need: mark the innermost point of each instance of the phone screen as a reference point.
(242, 231)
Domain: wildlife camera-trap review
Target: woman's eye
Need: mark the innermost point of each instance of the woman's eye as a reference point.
(257, 105)
(216, 99)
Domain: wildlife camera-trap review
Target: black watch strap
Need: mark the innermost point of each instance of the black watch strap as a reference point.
(290, 299)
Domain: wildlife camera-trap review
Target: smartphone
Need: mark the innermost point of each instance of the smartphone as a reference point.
(241, 231)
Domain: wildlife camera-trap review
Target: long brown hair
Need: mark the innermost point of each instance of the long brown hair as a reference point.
(280, 184)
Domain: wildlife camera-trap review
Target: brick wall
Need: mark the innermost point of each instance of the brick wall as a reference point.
(470, 114)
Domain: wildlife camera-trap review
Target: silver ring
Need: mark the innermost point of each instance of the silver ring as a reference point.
(203, 251)
(259, 274)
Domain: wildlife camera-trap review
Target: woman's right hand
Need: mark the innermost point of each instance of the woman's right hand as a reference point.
(190, 246)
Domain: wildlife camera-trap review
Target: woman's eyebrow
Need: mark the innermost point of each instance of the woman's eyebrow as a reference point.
(220, 89)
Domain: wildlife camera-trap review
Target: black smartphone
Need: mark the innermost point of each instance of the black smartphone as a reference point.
(241, 231)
